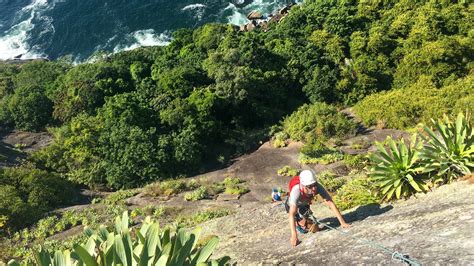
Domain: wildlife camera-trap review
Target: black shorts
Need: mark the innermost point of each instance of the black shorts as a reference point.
(303, 211)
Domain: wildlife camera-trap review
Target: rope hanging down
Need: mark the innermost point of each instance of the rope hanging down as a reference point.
(395, 255)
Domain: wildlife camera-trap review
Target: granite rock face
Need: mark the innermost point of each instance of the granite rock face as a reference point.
(436, 228)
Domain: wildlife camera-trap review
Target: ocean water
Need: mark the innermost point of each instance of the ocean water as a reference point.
(78, 28)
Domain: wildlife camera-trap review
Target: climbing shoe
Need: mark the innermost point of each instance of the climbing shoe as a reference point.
(301, 229)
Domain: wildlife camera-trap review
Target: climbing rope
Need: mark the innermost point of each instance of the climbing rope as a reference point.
(395, 255)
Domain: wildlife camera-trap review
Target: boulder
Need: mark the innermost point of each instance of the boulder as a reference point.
(250, 26)
(285, 10)
(275, 18)
(254, 15)
(263, 24)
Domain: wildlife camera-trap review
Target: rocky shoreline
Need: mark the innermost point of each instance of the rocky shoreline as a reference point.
(258, 20)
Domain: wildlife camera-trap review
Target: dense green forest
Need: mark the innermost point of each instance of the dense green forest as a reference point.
(127, 119)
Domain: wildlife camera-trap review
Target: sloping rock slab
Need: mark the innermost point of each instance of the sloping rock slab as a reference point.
(436, 228)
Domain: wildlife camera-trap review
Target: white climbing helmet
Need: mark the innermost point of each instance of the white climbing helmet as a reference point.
(307, 177)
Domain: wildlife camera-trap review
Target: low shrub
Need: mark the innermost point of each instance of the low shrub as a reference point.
(287, 171)
(3, 222)
(148, 210)
(236, 190)
(45, 227)
(233, 186)
(277, 143)
(169, 187)
(313, 153)
(315, 149)
(231, 181)
(197, 194)
(206, 189)
(356, 162)
(118, 196)
(330, 181)
(21, 244)
(318, 122)
(360, 144)
(202, 216)
(68, 219)
(325, 159)
(27, 193)
(162, 213)
(280, 140)
(409, 106)
(215, 188)
(357, 191)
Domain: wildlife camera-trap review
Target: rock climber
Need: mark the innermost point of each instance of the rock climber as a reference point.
(302, 189)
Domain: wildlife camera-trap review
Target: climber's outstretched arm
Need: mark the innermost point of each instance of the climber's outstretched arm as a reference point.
(292, 222)
(336, 211)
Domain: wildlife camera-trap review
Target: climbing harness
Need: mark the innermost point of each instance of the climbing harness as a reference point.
(395, 255)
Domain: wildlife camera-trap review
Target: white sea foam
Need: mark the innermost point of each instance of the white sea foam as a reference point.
(237, 17)
(193, 6)
(14, 41)
(145, 38)
(230, 6)
(35, 4)
(198, 10)
(239, 2)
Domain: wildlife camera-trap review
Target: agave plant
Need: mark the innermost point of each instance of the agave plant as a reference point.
(151, 246)
(42, 257)
(397, 170)
(450, 151)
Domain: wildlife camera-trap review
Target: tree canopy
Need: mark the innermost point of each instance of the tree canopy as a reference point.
(152, 113)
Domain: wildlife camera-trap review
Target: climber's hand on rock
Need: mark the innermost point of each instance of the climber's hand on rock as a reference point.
(345, 225)
(294, 241)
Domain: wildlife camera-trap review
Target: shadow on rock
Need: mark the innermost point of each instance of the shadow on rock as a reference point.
(359, 214)
(9, 155)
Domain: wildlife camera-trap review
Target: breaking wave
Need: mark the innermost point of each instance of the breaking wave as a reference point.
(145, 38)
(14, 42)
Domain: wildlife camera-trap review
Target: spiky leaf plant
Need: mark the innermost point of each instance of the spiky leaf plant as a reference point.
(151, 246)
(449, 151)
(397, 170)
